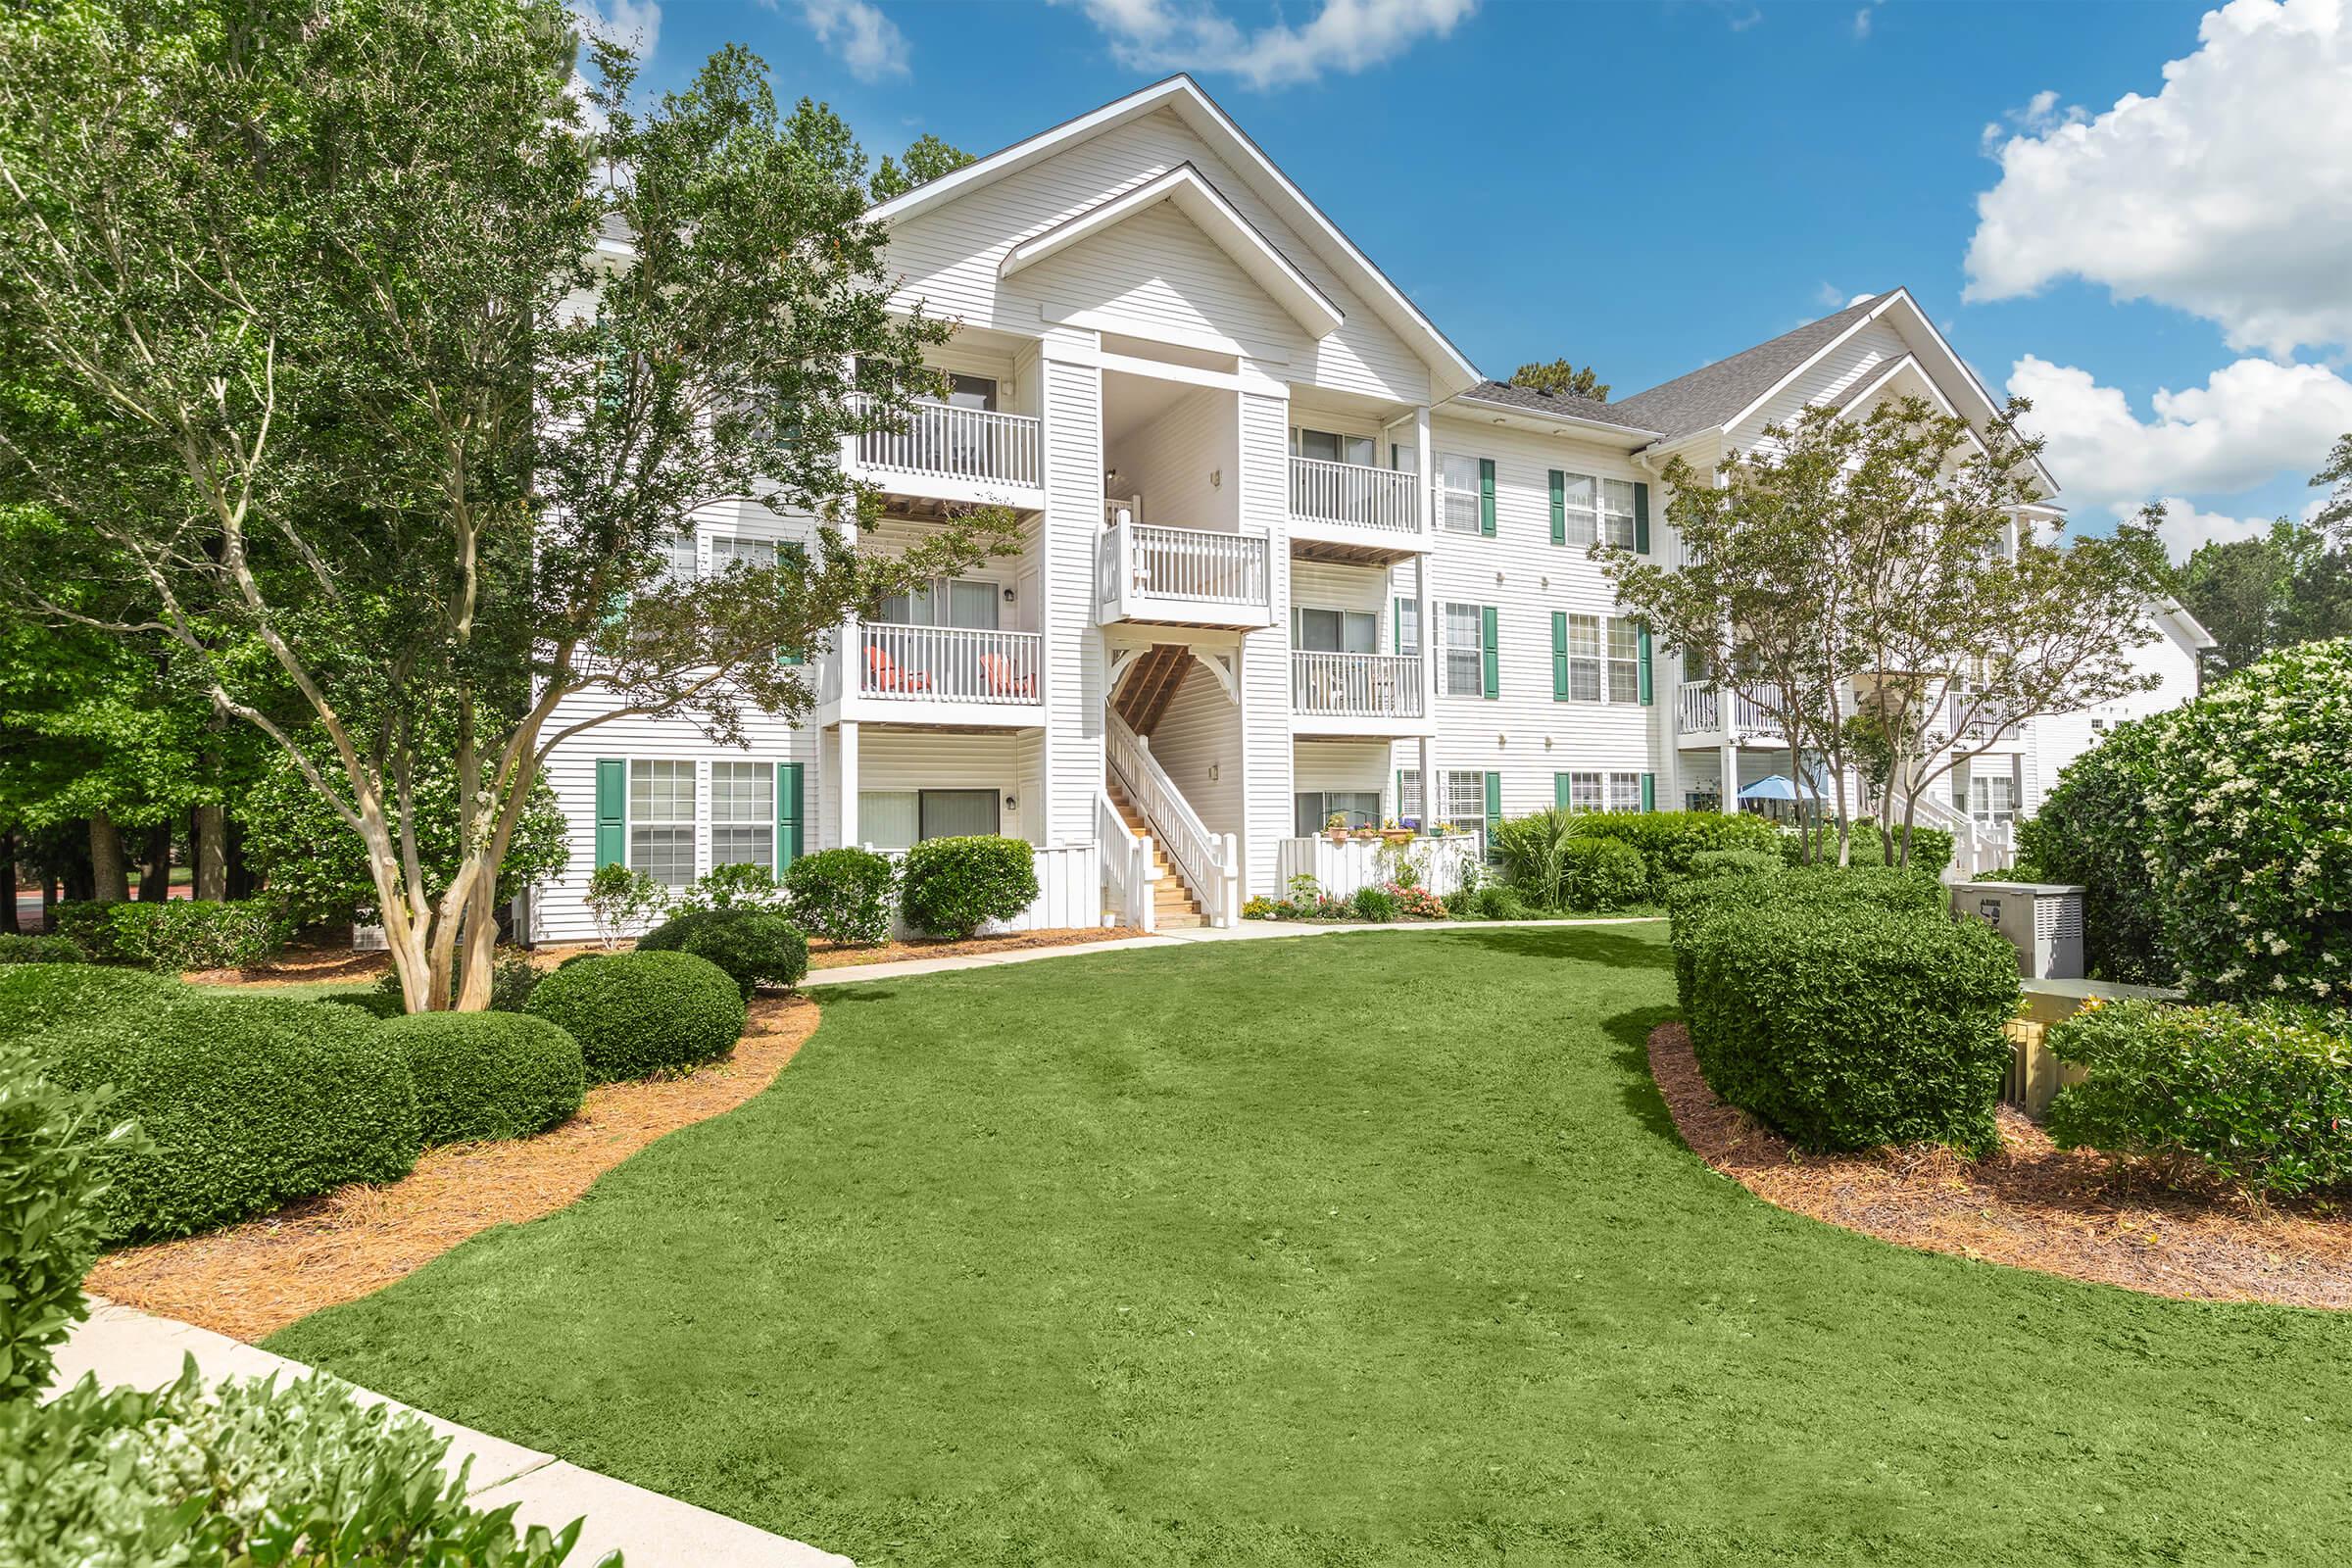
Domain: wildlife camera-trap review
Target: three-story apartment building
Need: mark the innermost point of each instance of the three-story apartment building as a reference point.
(1284, 554)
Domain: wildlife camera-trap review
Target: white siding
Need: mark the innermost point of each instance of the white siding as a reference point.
(1266, 668)
(1198, 743)
(1826, 382)
(1184, 462)
(1073, 645)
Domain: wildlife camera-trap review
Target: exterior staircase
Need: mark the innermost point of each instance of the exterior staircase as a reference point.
(1173, 905)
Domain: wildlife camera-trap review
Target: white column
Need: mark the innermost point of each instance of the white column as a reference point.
(1727, 798)
(1429, 784)
(845, 775)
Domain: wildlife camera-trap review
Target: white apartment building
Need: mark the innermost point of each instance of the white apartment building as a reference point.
(1284, 553)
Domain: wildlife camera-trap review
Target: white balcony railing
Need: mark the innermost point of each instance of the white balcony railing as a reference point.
(1355, 685)
(1143, 570)
(1355, 495)
(1699, 709)
(1968, 728)
(975, 445)
(947, 665)
(1695, 709)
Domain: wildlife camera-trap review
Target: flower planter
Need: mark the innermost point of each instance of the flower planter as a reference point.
(1397, 835)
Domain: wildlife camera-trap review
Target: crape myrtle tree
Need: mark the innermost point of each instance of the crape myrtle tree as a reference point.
(383, 384)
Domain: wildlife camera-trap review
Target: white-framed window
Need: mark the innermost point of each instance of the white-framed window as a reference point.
(1625, 660)
(1992, 798)
(1466, 802)
(1585, 792)
(1624, 792)
(1585, 660)
(1464, 645)
(1617, 511)
(899, 819)
(967, 602)
(1331, 446)
(680, 560)
(662, 821)
(728, 549)
(1409, 798)
(1457, 493)
(1594, 790)
(1315, 630)
(1313, 808)
(1408, 626)
(1580, 510)
(743, 815)
(1604, 660)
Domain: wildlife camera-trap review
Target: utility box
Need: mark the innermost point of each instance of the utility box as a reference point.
(2042, 920)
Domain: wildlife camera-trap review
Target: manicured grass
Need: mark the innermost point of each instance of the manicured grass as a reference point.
(1353, 1249)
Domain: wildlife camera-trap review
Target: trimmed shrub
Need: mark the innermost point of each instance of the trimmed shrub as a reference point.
(1845, 1008)
(38, 998)
(486, 1075)
(843, 894)
(754, 946)
(179, 934)
(636, 1014)
(249, 1102)
(19, 948)
(1602, 874)
(2257, 1096)
(54, 1142)
(1377, 904)
(1734, 863)
(311, 1472)
(1666, 840)
(952, 887)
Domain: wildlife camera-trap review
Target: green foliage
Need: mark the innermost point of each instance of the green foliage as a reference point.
(38, 998)
(308, 1473)
(755, 945)
(1377, 904)
(2259, 1096)
(2093, 828)
(247, 1101)
(16, 948)
(925, 160)
(1602, 873)
(486, 1075)
(2293, 585)
(619, 899)
(1734, 863)
(1561, 378)
(638, 1014)
(512, 980)
(1667, 840)
(1531, 853)
(735, 886)
(1867, 844)
(952, 887)
(1493, 902)
(843, 894)
(1845, 1008)
(54, 1145)
(179, 934)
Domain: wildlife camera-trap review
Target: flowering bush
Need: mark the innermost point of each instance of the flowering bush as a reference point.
(1416, 903)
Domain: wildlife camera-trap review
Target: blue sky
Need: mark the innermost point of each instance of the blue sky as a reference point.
(1649, 186)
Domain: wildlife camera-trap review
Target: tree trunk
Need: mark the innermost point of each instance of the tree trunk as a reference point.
(106, 878)
(208, 848)
(8, 884)
(155, 873)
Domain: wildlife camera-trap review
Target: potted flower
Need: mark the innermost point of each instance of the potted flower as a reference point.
(1443, 830)
(1335, 827)
(1367, 831)
(1394, 832)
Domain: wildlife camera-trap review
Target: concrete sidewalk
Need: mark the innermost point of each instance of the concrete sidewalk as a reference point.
(1245, 931)
(123, 1347)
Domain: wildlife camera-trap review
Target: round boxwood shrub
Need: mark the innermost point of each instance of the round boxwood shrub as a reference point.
(16, 948)
(843, 894)
(246, 1102)
(636, 1014)
(756, 946)
(954, 885)
(37, 996)
(1602, 873)
(487, 1075)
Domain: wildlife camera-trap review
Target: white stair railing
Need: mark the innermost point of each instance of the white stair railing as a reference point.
(1127, 870)
(1209, 863)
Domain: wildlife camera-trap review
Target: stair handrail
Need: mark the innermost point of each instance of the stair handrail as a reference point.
(1127, 865)
(1204, 859)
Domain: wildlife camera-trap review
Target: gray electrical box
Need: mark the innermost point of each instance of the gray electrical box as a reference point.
(2042, 920)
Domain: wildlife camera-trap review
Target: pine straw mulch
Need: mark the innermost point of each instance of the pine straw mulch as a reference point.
(2032, 1206)
(250, 1280)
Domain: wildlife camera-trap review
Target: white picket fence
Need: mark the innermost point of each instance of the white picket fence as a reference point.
(1344, 868)
(1069, 892)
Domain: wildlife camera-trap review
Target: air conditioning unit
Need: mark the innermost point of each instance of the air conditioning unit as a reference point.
(2042, 920)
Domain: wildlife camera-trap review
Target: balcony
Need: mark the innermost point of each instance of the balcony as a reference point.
(1969, 732)
(1356, 694)
(885, 673)
(947, 455)
(1702, 708)
(1354, 513)
(1182, 576)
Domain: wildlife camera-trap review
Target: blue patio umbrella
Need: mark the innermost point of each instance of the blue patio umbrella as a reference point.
(1774, 788)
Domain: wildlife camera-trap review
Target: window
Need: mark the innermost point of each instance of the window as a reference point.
(1625, 662)
(971, 391)
(727, 550)
(1596, 791)
(1409, 798)
(1335, 631)
(1466, 650)
(1617, 513)
(1994, 799)
(679, 563)
(1624, 792)
(1457, 493)
(662, 821)
(1583, 792)
(743, 815)
(1580, 510)
(1583, 658)
(970, 602)
(897, 819)
(1604, 658)
(1312, 809)
(1331, 447)
(1466, 804)
(1408, 626)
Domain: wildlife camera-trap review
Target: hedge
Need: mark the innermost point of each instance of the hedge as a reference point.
(54, 1142)
(18, 948)
(1844, 1011)
(36, 998)
(1602, 873)
(1735, 863)
(1667, 840)
(1931, 848)
(954, 885)
(487, 1075)
(2258, 1097)
(248, 1103)
(177, 934)
(636, 1014)
(754, 946)
(843, 894)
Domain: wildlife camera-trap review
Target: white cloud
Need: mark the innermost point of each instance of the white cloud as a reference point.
(2185, 527)
(635, 22)
(2224, 195)
(868, 42)
(1344, 37)
(2251, 422)
(1862, 20)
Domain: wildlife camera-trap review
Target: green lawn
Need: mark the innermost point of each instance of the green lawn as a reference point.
(1353, 1249)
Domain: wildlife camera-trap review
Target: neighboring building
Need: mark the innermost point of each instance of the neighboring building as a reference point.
(1285, 554)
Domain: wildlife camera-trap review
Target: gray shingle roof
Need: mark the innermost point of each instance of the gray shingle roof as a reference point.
(1717, 393)
(1563, 405)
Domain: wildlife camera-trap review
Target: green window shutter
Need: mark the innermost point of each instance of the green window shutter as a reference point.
(1486, 497)
(1489, 640)
(798, 555)
(1649, 792)
(788, 814)
(1641, 517)
(1560, 508)
(1559, 655)
(1559, 792)
(1493, 799)
(611, 811)
(1641, 633)
(614, 609)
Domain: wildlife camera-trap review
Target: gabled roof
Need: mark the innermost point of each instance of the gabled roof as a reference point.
(1451, 371)
(1715, 396)
(1184, 188)
(1555, 405)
